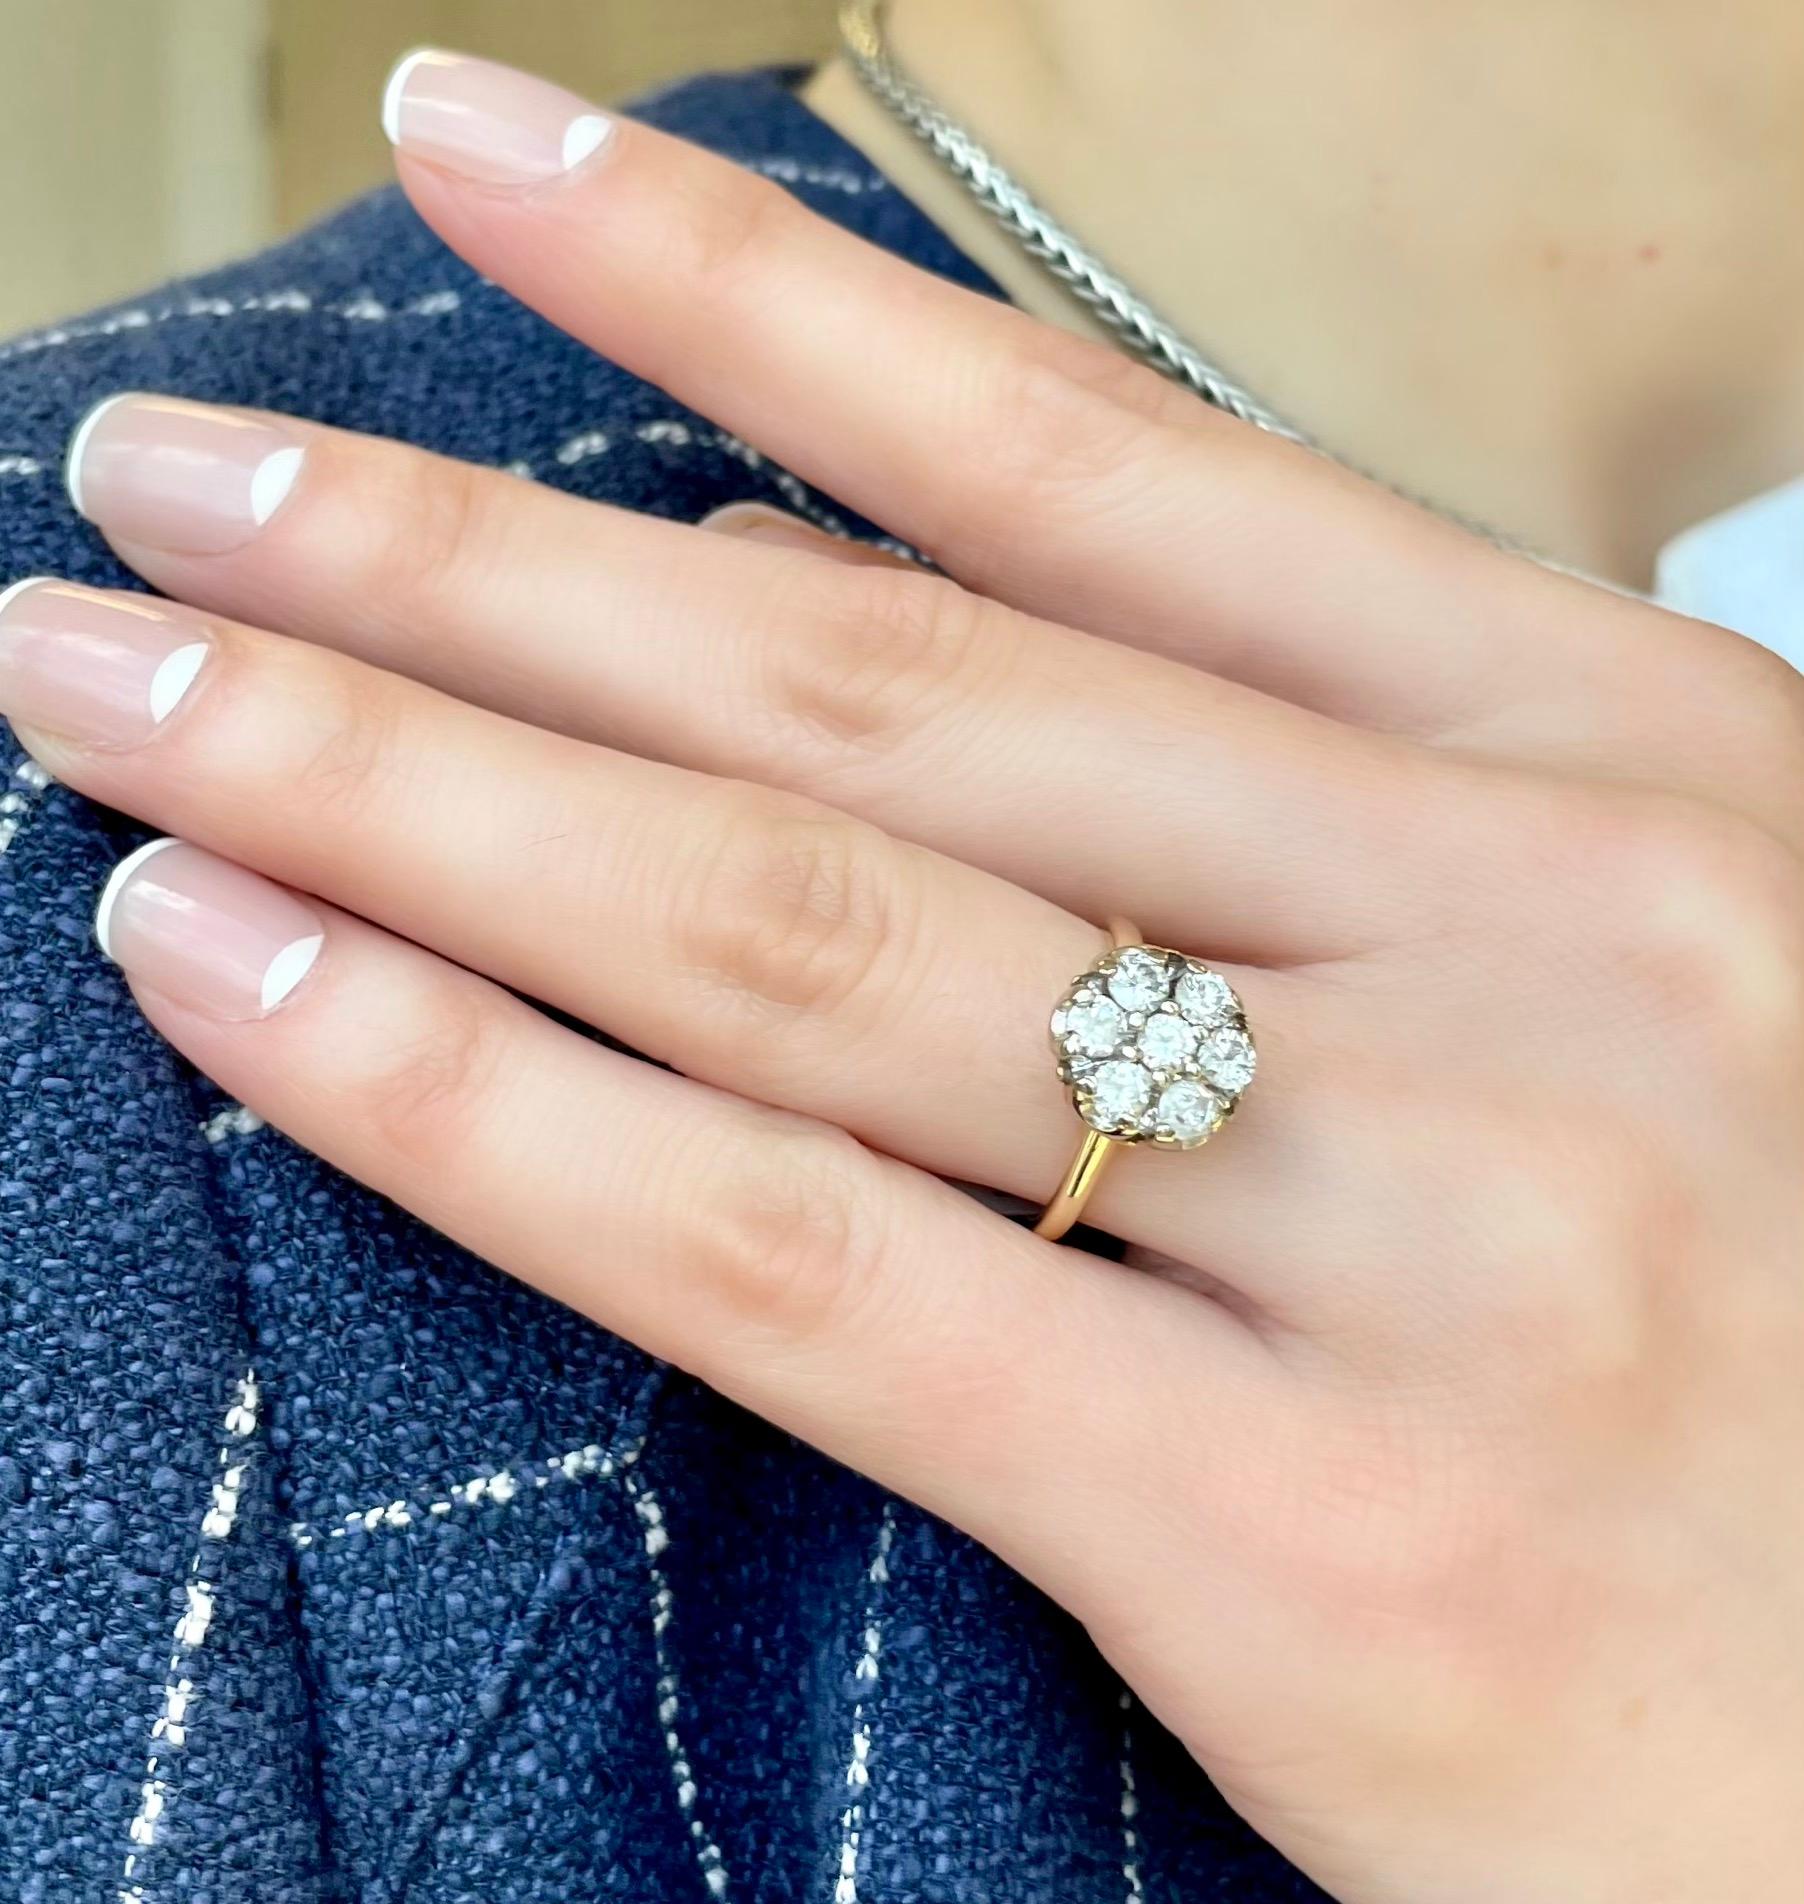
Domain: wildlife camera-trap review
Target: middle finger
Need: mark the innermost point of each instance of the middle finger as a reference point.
(1061, 761)
(747, 937)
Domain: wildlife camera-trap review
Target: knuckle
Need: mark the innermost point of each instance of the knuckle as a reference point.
(422, 1093)
(727, 233)
(1700, 912)
(340, 754)
(886, 656)
(1075, 419)
(784, 1234)
(797, 911)
(420, 521)
(1748, 695)
(1571, 1184)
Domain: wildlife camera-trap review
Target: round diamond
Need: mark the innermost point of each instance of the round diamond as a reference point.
(1227, 1059)
(1188, 1111)
(1094, 1026)
(1119, 1092)
(1139, 981)
(1204, 995)
(1167, 1041)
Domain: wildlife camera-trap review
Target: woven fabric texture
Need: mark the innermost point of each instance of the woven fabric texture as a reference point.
(334, 1564)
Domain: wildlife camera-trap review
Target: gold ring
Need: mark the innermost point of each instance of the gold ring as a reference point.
(1155, 1049)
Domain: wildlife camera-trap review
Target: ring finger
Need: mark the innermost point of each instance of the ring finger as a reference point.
(745, 936)
(1061, 761)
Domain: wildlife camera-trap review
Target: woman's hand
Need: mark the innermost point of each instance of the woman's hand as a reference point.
(1438, 1482)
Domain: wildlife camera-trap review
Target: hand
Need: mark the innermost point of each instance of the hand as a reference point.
(1437, 1481)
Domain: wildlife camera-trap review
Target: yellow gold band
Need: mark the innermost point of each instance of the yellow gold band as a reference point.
(1081, 1179)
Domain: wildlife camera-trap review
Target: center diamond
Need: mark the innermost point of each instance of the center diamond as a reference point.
(1167, 1041)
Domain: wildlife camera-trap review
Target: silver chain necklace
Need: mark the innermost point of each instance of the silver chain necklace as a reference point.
(1114, 304)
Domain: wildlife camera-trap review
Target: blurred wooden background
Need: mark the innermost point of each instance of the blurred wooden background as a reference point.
(143, 138)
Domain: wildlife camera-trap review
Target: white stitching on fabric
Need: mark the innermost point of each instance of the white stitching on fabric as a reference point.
(866, 1674)
(20, 466)
(657, 1537)
(1130, 1806)
(580, 448)
(26, 782)
(832, 178)
(169, 1730)
(791, 488)
(360, 308)
(498, 1489)
(236, 1120)
(680, 433)
(507, 1485)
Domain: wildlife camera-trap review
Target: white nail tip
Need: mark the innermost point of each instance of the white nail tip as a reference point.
(116, 884)
(392, 94)
(11, 594)
(271, 481)
(288, 968)
(583, 138)
(78, 445)
(174, 677)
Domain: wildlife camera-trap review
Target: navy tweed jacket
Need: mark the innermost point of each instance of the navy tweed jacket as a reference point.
(335, 1565)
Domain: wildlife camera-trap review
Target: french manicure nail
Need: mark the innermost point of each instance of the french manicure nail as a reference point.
(208, 934)
(488, 123)
(106, 670)
(184, 478)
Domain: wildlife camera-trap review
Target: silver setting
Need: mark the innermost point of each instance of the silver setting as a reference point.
(1154, 1047)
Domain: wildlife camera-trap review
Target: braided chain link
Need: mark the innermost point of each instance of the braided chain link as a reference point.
(1116, 307)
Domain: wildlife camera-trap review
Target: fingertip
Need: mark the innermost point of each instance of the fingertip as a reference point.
(117, 881)
(13, 591)
(396, 88)
(78, 449)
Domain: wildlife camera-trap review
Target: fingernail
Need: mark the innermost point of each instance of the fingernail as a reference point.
(488, 123)
(184, 478)
(207, 933)
(107, 670)
(758, 522)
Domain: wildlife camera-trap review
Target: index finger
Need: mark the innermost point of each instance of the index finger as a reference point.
(1040, 468)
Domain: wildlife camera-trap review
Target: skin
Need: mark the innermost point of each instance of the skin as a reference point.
(1532, 261)
(1435, 1480)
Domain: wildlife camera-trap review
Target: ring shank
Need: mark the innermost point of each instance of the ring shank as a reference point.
(1094, 1153)
(1068, 1200)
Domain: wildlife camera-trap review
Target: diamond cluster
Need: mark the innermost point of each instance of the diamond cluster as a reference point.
(1154, 1046)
